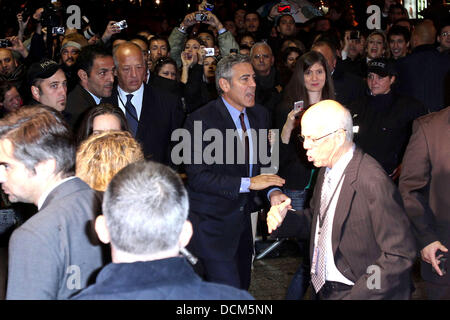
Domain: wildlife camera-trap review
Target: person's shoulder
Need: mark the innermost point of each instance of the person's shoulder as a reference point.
(159, 94)
(434, 117)
(369, 170)
(207, 111)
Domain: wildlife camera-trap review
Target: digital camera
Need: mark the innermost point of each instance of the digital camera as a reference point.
(122, 24)
(200, 17)
(209, 52)
(5, 43)
(58, 30)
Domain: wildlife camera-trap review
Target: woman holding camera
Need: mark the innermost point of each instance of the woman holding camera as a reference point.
(310, 82)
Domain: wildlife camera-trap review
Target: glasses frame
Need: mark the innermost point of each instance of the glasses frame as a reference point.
(316, 140)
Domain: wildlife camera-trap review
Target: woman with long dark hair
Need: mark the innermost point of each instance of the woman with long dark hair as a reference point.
(310, 82)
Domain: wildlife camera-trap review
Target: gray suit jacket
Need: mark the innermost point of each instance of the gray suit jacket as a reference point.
(370, 228)
(55, 253)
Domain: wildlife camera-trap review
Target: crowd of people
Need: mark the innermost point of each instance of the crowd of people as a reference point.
(357, 119)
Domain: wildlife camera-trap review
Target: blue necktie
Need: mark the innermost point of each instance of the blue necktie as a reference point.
(130, 112)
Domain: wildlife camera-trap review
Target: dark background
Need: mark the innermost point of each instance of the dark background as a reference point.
(150, 16)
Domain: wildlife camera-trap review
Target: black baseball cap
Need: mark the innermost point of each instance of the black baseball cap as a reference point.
(42, 70)
(381, 67)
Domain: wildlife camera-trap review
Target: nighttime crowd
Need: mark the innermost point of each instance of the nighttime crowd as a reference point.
(119, 181)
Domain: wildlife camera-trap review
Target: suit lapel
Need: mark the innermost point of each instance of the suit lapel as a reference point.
(146, 99)
(345, 198)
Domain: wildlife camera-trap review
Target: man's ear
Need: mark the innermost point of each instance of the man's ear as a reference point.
(82, 75)
(224, 84)
(185, 235)
(392, 79)
(35, 92)
(102, 230)
(46, 168)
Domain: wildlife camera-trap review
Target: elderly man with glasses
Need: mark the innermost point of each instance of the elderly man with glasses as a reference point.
(361, 242)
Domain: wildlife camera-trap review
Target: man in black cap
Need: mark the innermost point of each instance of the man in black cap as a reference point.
(48, 84)
(383, 118)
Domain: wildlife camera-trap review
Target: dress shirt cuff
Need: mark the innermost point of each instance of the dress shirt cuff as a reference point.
(344, 55)
(245, 185)
(223, 30)
(270, 192)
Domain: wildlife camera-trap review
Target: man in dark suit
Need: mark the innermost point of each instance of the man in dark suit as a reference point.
(424, 183)
(425, 73)
(361, 243)
(55, 252)
(152, 116)
(222, 191)
(95, 70)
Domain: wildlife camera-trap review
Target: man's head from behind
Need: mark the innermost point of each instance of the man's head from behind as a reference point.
(95, 69)
(35, 147)
(145, 208)
(8, 63)
(423, 33)
(48, 84)
(327, 132)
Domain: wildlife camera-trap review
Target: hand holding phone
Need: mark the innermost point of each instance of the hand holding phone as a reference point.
(298, 106)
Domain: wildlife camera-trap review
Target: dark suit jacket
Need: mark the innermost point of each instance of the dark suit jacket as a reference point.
(424, 184)
(163, 279)
(161, 114)
(218, 210)
(370, 227)
(425, 75)
(78, 102)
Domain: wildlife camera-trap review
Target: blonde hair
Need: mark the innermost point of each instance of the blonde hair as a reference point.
(102, 155)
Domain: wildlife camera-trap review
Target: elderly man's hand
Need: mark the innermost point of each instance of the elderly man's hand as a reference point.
(276, 215)
(429, 255)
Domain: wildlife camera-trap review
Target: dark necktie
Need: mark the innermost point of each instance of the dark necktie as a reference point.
(246, 144)
(130, 112)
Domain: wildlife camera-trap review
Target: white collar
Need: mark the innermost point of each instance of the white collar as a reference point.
(341, 164)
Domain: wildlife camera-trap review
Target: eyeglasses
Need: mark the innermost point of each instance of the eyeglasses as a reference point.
(265, 56)
(444, 34)
(316, 140)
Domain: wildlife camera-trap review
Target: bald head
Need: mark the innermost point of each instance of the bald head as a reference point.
(327, 129)
(423, 33)
(130, 65)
